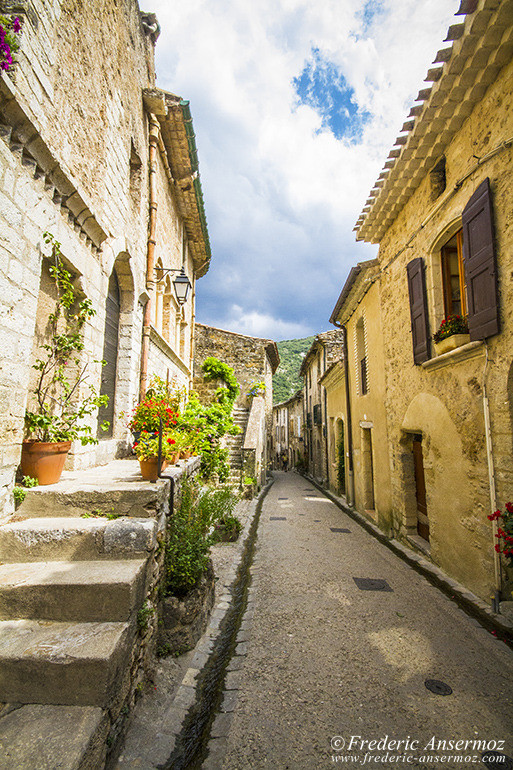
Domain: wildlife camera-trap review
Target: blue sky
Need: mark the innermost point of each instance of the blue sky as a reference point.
(295, 105)
(323, 87)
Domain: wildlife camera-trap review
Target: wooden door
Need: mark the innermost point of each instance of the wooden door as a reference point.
(110, 356)
(420, 489)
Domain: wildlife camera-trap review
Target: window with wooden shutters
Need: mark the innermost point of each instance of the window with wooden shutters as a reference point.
(480, 264)
(418, 310)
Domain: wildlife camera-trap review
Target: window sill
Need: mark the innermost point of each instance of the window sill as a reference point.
(464, 353)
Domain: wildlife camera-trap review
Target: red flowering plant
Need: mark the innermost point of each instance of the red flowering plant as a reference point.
(9, 29)
(453, 324)
(146, 416)
(504, 534)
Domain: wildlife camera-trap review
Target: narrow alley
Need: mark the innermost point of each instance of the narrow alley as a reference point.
(340, 638)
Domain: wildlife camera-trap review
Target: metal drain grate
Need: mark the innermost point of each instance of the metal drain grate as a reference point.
(438, 687)
(372, 584)
(494, 759)
(339, 529)
(277, 518)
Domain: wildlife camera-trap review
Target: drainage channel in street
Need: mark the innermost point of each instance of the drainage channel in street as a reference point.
(192, 745)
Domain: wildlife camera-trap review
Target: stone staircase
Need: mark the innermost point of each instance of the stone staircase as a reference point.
(70, 590)
(234, 444)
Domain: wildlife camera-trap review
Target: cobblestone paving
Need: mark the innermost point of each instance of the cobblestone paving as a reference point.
(322, 659)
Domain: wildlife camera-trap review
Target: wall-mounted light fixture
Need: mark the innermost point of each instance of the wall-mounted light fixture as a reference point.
(181, 283)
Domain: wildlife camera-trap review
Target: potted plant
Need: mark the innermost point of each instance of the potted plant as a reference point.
(147, 452)
(63, 397)
(452, 334)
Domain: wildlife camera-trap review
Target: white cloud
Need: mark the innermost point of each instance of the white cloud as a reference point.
(281, 196)
(256, 324)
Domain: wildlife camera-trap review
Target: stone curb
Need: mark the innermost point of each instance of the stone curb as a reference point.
(469, 602)
(176, 713)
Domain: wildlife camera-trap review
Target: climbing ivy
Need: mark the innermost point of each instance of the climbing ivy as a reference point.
(214, 369)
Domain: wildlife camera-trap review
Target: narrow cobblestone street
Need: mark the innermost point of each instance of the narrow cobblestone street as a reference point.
(325, 660)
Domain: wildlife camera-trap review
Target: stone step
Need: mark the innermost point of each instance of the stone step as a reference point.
(66, 664)
(76, 539)
(67, 737)
(84, 591)
(135, 499)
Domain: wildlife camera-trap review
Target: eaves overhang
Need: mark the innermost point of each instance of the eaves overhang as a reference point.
(478, 48)
(298, 396)
(355, 284)
(272, 354)
(179, 143)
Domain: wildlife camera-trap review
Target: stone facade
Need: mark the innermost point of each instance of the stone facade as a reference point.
(288, 431)
(327, 348)
(448, 471)
(76, 115)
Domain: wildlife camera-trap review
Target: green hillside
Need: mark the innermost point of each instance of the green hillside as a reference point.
(286, 381)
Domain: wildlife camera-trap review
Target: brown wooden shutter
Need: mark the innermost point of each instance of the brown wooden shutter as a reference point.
(480, 265)
(418, 310)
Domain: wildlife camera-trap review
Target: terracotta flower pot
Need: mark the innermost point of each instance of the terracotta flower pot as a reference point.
(149, 468)
(43, 460)
(185, 454)
(451, 343)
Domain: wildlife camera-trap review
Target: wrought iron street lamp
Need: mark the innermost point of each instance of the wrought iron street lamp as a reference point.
(181, 283)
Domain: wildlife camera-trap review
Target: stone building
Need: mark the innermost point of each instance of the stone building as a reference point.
(326, 349)
(357, 429)
(442, 215)
(254, 360)
(93, 153)
(287, 431)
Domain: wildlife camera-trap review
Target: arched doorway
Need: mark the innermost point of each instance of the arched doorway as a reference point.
(110, 356)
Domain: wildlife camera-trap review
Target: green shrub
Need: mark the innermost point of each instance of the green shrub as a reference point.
(208, 424)
(227, 529)
(189, 539)
(214, 369)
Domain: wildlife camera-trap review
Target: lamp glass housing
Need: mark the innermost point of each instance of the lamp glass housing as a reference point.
(182, 286)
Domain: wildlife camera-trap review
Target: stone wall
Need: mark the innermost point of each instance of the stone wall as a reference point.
(247, 355)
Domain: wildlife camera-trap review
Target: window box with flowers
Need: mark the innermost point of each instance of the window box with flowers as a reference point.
(452, 334)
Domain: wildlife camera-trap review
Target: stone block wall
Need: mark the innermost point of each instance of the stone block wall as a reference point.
(247, 356)
(74, 162)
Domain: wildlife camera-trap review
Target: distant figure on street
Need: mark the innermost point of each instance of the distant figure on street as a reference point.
(284, 460)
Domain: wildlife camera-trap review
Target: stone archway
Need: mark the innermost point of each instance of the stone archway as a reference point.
(123, 374)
